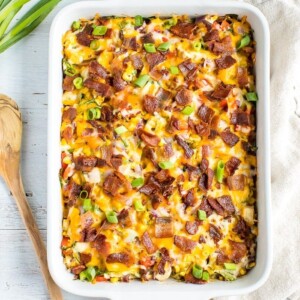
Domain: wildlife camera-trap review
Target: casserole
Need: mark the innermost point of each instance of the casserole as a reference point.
(60, 25)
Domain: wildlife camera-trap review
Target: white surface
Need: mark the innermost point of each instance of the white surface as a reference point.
(171, 289)
(23, 76)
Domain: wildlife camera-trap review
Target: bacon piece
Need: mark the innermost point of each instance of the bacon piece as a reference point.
(85, 257)
(106, 113)
(85, 163)
(206, 179)
(147, 242)
(229, 138)
(239, 250)
(239, 117)
(121, 257)
(116, 161)
(112, 184)
(189, 198)
(137, 61)
(150, 154)
(118, 83)
(204, 165)
(226, 203)
(68, 83)
(184, 96)
(89, 234)
(85, 36)
(225, 62)
(216, 206)
(158, 74)
(130, 43)
(188, 152)
(193, 172)
(184, 30)
(236, 182)
(184, 243)
(173, 125)
(201, 19)
(78, 269)
(188, 68)
(206, 206)
(86, 220)
(242, 229)
(150, 139)
(212, 35)
(221, 91)
(201, 239)
(168, 150)
(69, 114)
(242, 76)
(89, 132)
(101, 244)
(222, 258)
(165, 257)
(215, 233)
(224, 46)
(164, 227)
(97, 70)
(232, 165)
(101, 88)
(189, 278)
(147, 38)
(205, 151)
(124, 218)
(205, 113)
(192, 227)
(149, 189)
(202, 129)
(150, 104)
(156, 199)
(154, 59)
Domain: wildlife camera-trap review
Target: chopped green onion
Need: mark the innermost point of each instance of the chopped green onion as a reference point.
(169, 23)
(112, 217)
(197, 46)
(83, 194)
(174, 70)
(121, 129)
(138, 205)
(124, 142)
(187, 110)
(78, 83)
(245, 41)
(197, 271)
(87, 205)
(69, 69)
(227, 275)
(230, 266)
(82, 275)
(138, 21)
(164, 46)
(220, 171)
(137, 182)
(150, 48)
(95, 44)
(122, 24)
(142, 80)
(165, 165)
(251, 96)
(94, 113)
(76, 25)
(205, 275)
(88, 274)
(201, 215)
(100, 30)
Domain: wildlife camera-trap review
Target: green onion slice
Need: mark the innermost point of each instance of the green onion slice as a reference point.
(78, 83)
(230, 266)
(137, 182)
(69, 69)
(187, 110)
(138, 205)
(138, 21)
(142, 80)
(165, 165)
(164, 46)
(251, 96)
(245, 41)
(197, 46)
(174, 70)
(121, 129)
(150, 48)
(201, 215)
(76, 25)
(87, 205)
(169, 23)
(205, 275)
(112, 217)
(94, 45)
(94, 113)
(227, 275)
(83, 194)
(197, 271)
(99, 30)
(220, 171)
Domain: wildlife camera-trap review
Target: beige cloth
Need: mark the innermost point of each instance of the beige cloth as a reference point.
(284, 21)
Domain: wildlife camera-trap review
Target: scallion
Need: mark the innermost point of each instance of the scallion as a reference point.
(164, 47)
(87, 205)
(76, 25)
(142, 80)
(187, 110)
(69, 69)
(100, 30)
(165, 165)
(245, 41)
(83, 194)
(170, 23)
(94, 113)
(138, 21)
(88, 274)
(230, 266)
(174, 70)
(197, 271)
(78, 82)
(201, 215)
(252, 96)
(138, 205)
(205, 275)
(121, 129)
(112, 217)
(197, 46)
(150, 48)
(95, 44)
(137, 182)
(220, 171)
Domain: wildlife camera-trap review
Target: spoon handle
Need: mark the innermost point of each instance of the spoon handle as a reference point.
(16, 186)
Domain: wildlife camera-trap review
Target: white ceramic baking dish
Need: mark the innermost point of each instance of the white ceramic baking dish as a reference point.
(154, 289)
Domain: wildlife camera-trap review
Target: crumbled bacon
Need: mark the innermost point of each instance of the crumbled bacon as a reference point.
(189, 278)
(69, 114)
(232, 165)
(221, 91)
(226, 203)
(205, 113)
(192, 227)
(85, 36)
(242, 229)
(97, 70)
(239, 250)
(101, 88)
(184, 244)
(154, 59)
(164, 227)
(212, 35)
(206, 206)
(121, 257)
(229, 138)
(225, 62)
(236, 182)
(85, 257)
(188, 69)
(150, 139)
(150, 104)
(101, 244)
(68, 83)
(184, 30)
(85, 163)
(137, 61)
(78, 269)
(189, 198)
(239, 117)
(147, 242)
(147, 38)
(183, 96)
(215, 233)
(130, 43)
(242, 76)
(118, 83)
(188, 152)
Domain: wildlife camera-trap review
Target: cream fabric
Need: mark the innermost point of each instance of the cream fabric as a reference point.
(284, 21)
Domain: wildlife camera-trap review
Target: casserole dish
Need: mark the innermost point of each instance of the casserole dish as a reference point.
(88, 9)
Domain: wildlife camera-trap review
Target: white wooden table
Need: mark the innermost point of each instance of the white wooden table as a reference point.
(23, 76)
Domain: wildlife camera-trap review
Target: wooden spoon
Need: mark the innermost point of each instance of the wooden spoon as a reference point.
(10, 145)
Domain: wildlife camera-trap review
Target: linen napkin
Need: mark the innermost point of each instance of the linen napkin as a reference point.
(284, 21)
